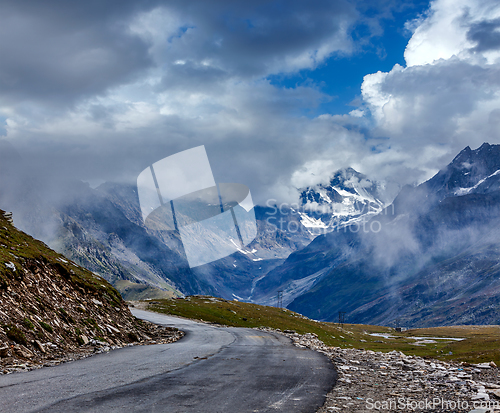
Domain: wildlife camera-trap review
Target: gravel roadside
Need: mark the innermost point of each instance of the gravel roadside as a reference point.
(374, 381)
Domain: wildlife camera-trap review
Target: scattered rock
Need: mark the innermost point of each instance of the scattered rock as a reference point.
(367, 377)
(40, 346)
(23, 352)
(483, 365)
(495, 392)
(51, 309)
(5, 351)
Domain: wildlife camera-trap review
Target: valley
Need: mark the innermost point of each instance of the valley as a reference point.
(468, 344)
(428, 258)
(219, 206)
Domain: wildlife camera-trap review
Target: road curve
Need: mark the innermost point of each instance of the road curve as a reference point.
(211, 369)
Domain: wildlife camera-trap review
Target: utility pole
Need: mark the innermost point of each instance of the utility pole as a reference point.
(398, 325)
(341, 318)
(280, 299)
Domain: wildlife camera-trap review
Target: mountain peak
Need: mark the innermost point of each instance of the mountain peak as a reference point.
(484, 146)
(463, 155)
(472, 166)
(480, 154)
(347, 197)
(471, 171)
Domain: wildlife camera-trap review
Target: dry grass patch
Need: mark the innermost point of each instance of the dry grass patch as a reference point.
(481, 343)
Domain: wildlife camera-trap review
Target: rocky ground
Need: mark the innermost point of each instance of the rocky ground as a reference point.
(17, 357)
(373, 381)
(52, 310)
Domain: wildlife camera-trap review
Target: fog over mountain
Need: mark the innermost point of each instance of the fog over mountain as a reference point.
(103, 230)
(326, 110)
(427, 258)
(431, 258)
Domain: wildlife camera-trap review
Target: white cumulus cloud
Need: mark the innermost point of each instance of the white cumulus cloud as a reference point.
(448, 94)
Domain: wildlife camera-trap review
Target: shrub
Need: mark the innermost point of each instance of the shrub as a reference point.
(47, 327)
(16, 335)
(132, 336)
(28, 324)
(66, 317)
(92, 323)
(4, 282)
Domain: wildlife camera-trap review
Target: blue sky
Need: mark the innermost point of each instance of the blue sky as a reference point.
(341, 76)
(281, 93)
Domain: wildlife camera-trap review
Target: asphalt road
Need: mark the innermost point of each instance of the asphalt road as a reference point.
(209, 370)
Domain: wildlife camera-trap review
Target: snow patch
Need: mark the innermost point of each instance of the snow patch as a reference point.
(465, 191)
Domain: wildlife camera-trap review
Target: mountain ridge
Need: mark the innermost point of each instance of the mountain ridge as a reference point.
(395, 273)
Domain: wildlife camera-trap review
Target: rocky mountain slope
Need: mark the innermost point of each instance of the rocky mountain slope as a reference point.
(431, 258)
(53, 310)
(102, 229)
(229, 277)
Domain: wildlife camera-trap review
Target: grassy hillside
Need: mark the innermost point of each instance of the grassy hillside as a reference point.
(133, 291)
(480, 344)
(19, 252)
(51, 308)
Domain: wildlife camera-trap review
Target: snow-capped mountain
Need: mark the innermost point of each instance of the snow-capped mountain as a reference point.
(349, 197)
(475, 171)
(433, 261)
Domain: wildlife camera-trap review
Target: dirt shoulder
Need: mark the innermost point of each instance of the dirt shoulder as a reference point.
(375, 381)
(18, 358)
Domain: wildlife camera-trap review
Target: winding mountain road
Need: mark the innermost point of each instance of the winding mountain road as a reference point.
(211, 369)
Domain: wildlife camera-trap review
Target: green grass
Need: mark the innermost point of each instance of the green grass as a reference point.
(20, 249)
(28, 324)
(66, 317)
(482, 343)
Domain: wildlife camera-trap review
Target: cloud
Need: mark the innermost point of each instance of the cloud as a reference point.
(57, 52)
(452, 28)
(253, 134)
(61, 52)
(485, 34)
(248, 39)
(100, 90)
(448, 95)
